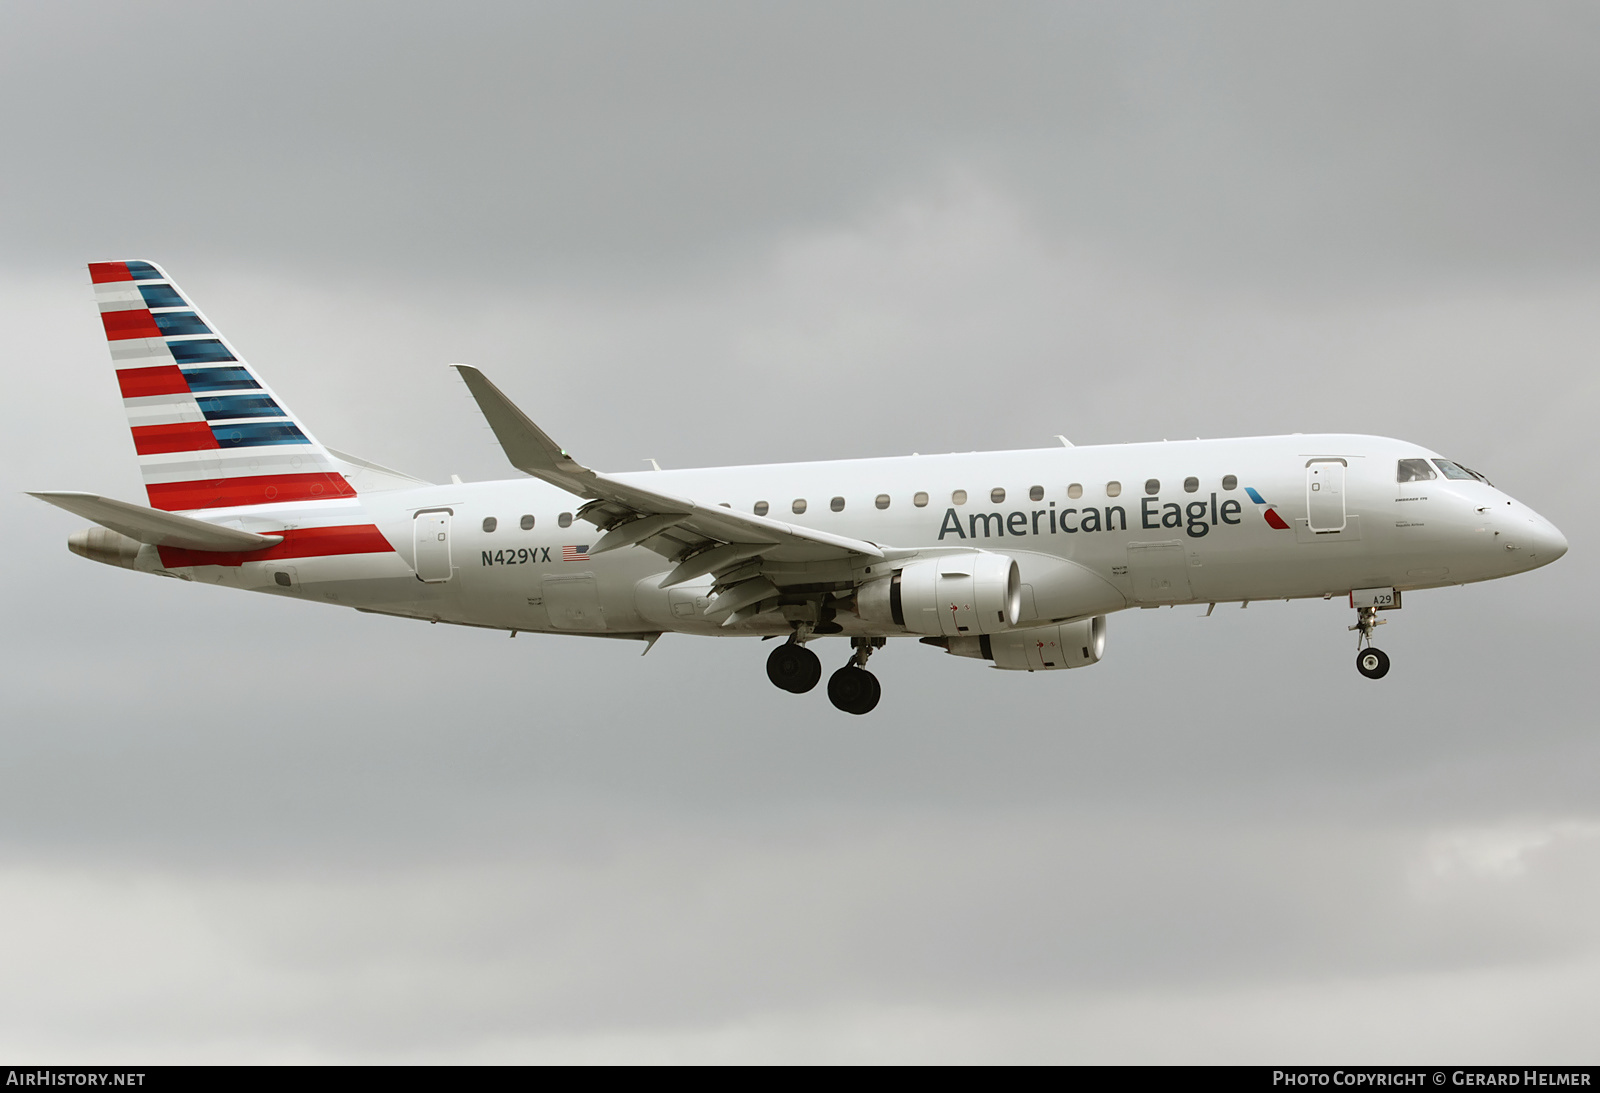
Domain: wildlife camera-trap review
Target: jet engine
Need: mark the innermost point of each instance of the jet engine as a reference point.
(970, 592)
(1038, 648)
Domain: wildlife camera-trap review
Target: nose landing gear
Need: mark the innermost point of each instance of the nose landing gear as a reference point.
(1370, 662)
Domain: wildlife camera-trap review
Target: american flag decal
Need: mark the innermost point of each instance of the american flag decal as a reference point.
(575, 553)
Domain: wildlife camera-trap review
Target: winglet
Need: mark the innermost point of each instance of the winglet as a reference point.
(528, 447)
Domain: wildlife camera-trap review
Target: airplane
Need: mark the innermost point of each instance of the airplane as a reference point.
(1014, 557)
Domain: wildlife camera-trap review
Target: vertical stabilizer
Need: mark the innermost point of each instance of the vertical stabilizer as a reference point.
(208, 431)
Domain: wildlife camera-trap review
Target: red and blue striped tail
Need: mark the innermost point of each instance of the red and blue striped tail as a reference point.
(209, 433)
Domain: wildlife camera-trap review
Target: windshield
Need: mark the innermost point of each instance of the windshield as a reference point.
(1414, 470)
(1457, 471)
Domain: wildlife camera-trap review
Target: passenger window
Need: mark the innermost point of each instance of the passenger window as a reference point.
(762, 508)
(799, 505)
(490, 523)
(1230, 481)
(920, 500)
(837, 504)
(959, 497)
(1075, 491)
(1035, 493)
(997, 495)
(565, 519)
(527, 523)
(1152, 486)
(1113, 489)
(1453, 470)
(1414, 470)
(1191, 484)
(882, 501)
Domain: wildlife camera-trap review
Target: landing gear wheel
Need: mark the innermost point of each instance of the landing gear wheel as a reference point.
(854, 690)
(1372, 663)
(794, 668)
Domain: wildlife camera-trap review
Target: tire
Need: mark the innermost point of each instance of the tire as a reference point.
(854, 690)
(1372, 663)
(794, 668)
(877, 693)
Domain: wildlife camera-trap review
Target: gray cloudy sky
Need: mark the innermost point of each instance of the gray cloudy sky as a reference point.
(237, 828)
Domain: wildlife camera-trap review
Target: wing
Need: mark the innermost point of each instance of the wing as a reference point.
(752, 557)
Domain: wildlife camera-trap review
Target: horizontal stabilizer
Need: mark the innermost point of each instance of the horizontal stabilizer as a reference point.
(156, 527)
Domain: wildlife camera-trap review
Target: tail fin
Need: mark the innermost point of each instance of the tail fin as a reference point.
(209, 433)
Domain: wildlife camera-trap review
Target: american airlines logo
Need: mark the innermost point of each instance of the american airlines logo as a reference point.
(1269, 511)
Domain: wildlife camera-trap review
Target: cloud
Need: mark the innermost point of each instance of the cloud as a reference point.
(1331, 147)
(1025, 934)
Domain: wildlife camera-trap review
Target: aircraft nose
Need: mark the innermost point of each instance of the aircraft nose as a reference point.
(1545, 541)
(1530, 540)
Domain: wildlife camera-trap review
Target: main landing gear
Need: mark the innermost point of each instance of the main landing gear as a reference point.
(852, 688)
(1370, 662)
(793, 667)
(796, 669)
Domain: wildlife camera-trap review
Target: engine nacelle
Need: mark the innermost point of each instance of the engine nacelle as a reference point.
(971, 592)
(1038, 648)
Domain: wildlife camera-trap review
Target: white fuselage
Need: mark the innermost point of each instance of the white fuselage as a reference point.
(1124, 546)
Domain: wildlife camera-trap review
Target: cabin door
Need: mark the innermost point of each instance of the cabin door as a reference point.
(431, 543)
(1325, 496)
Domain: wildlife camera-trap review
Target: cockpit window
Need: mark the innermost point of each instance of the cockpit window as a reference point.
(1415, 470)
(1452, 470)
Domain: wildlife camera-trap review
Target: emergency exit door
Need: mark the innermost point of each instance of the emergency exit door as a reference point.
(1325, 496)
